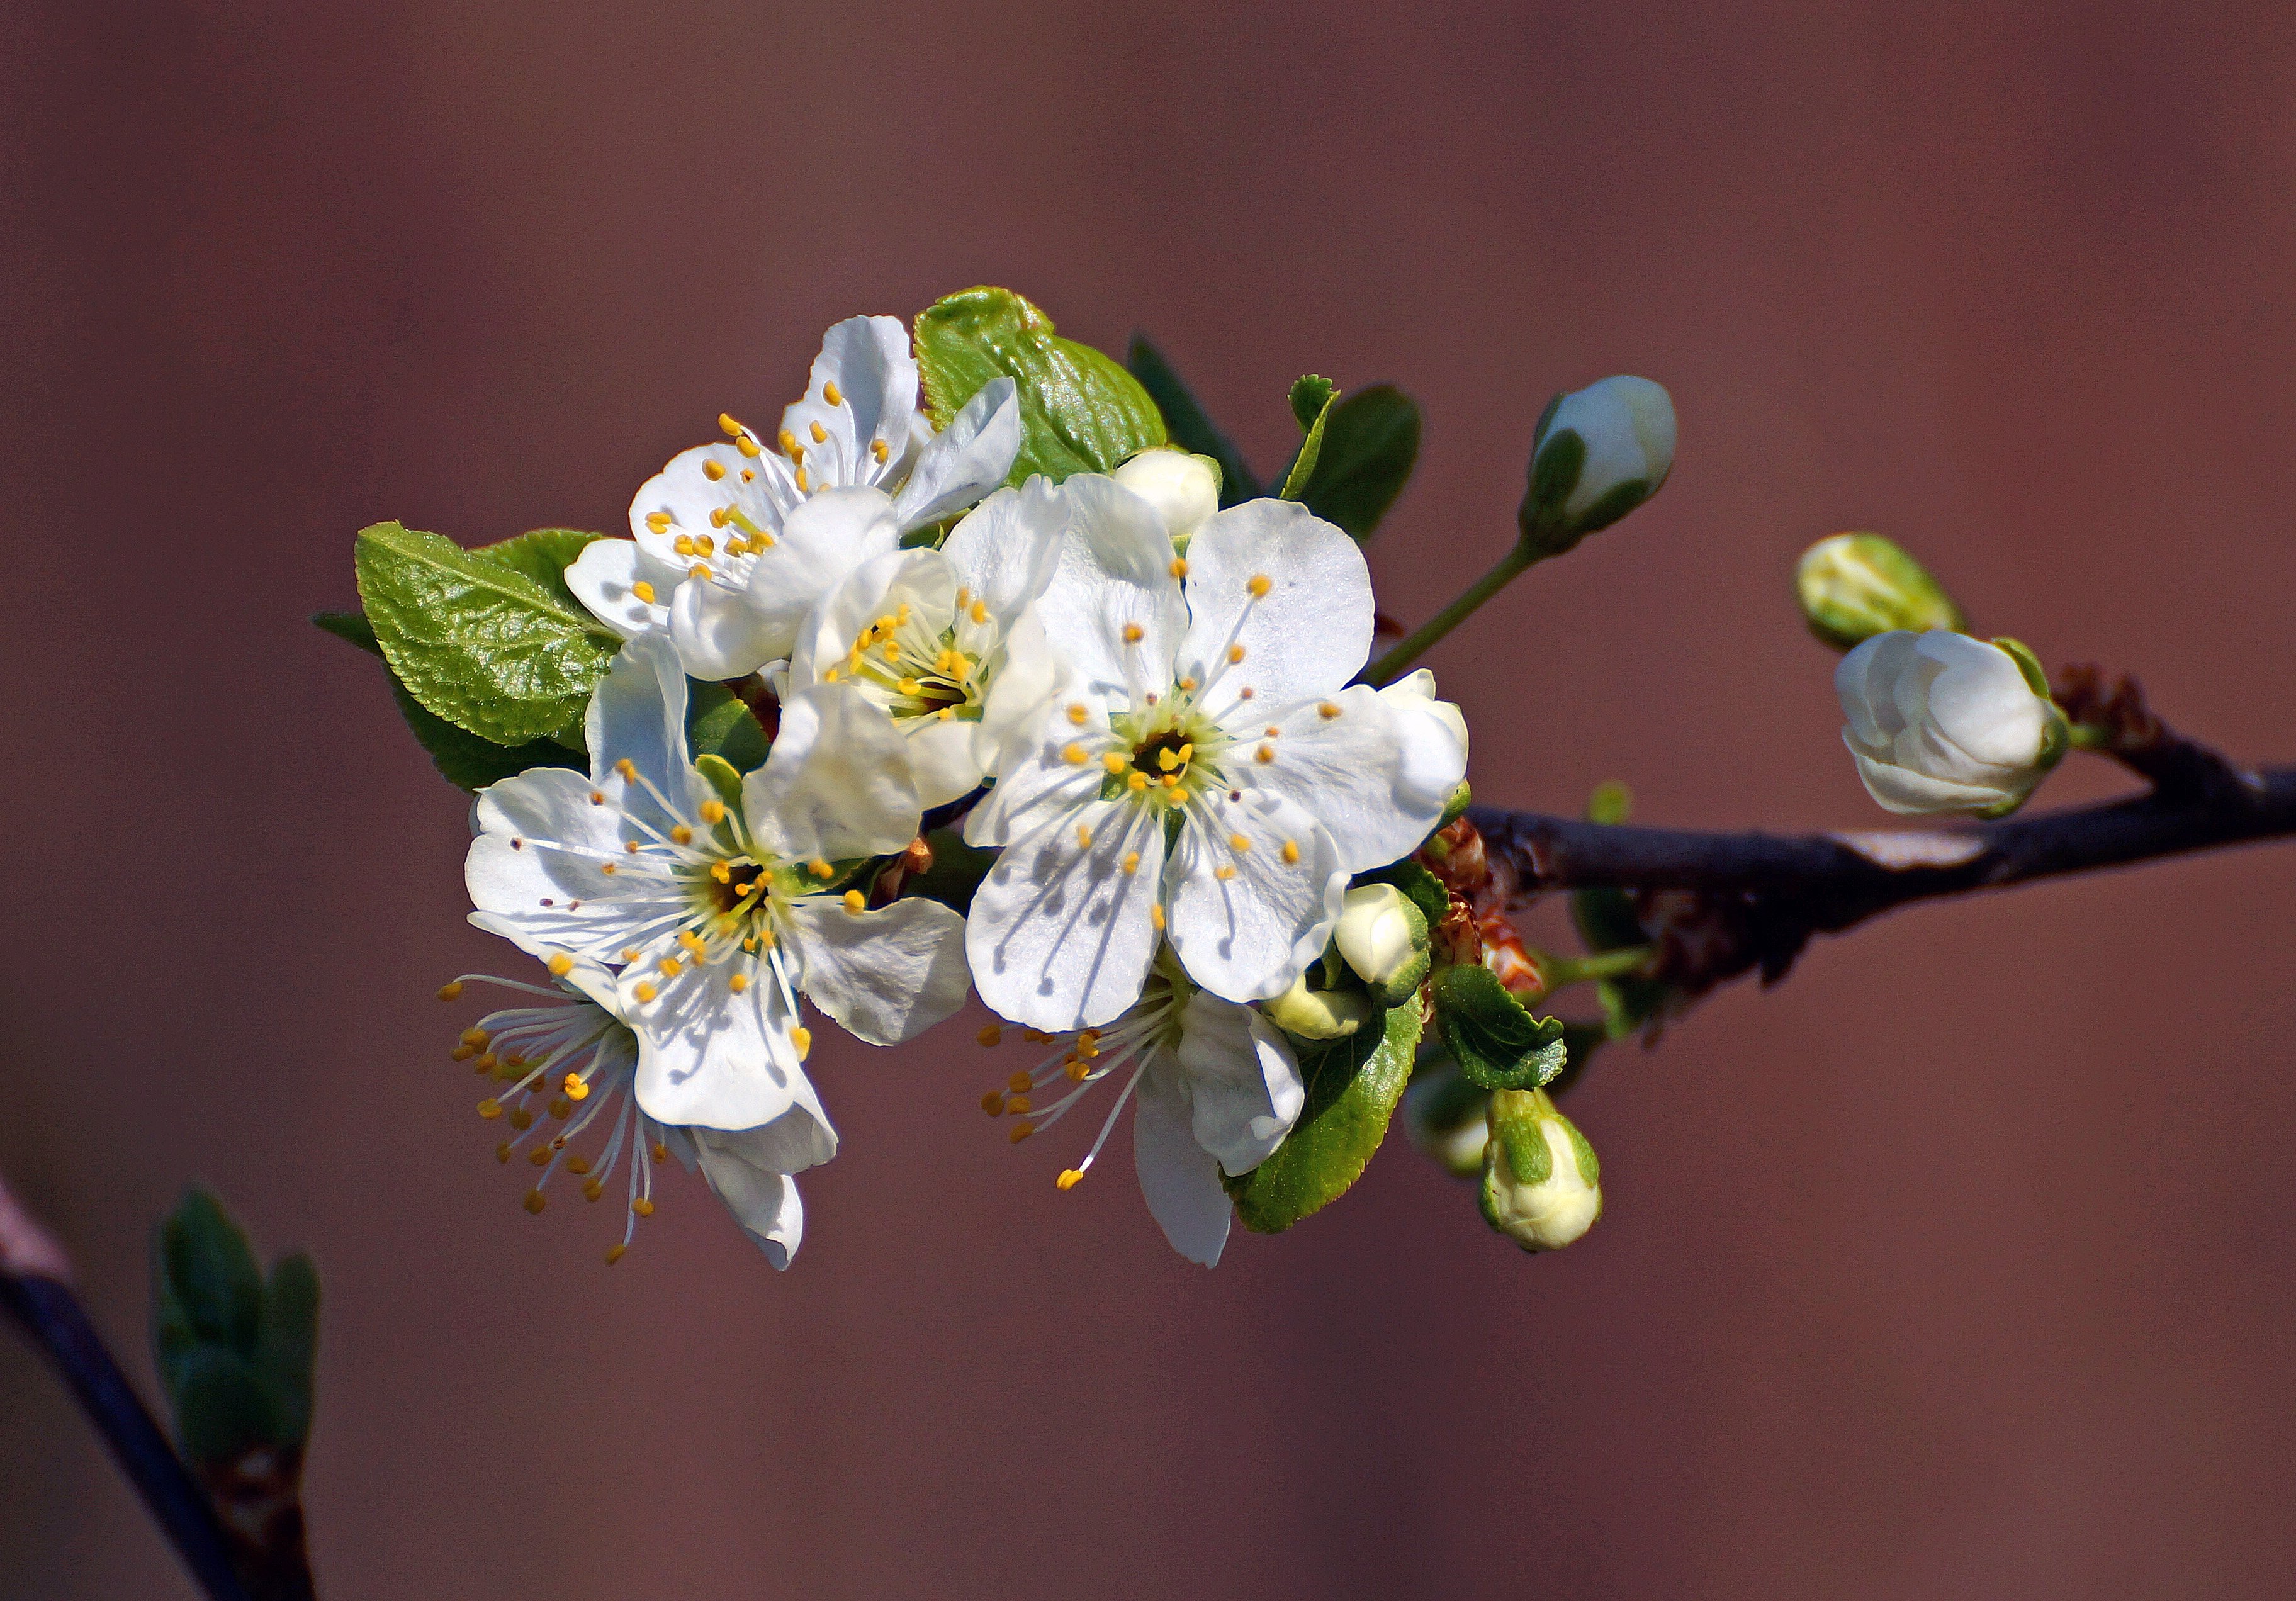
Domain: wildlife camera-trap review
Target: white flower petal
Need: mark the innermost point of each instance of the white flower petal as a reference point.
(1911, 794)
(1376, 776)
(1247, 936)
(1060, 936)
(762, 1199)
(1414, 695)
(885, 975)
(820, 542)
(836, 785)
(1243, 1080)
(922, 578)
(537, 864)
(868, 360)
(637, 714)
(709, 1057)
(1308, 635)
(965, 460)
(601, 578)
(1029, 676)
(944, 757)
(1007, 550)
(721, 633)
(1114, 577)
(1178, 1178)
(1037, 783)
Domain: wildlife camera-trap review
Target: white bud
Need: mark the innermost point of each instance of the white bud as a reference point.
(1184, 488)
(1446, 1118)
(1308, 1013)
(1939, 722)
(1381, 934)
(1541, 1184)
(1627, 425)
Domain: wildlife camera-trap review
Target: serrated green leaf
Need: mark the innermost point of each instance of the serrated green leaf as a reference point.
(1353, 1087)
(1188, 426)
(1080, 412)
(718, 723)
(1419, 887)
(471, 763)
(1496, 1041)
(1371, 443)
(544, 554)
(351, 627)
(476, 642)
(1311, 403)
(225, 1407)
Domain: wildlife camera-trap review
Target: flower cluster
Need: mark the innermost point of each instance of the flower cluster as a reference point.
(1147, 708)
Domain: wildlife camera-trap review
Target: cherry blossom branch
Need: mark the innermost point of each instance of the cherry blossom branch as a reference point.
(36, 1289)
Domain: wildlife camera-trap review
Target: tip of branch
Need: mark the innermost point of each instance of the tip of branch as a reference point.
(26, 1250)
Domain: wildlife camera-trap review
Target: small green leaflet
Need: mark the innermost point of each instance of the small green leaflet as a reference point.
(1192, 429)
(1353, 1085)
(1079, 411)
(1371, 443)
(1496, 1042)
(234, 1351)
(477, 641)
(1311, 405)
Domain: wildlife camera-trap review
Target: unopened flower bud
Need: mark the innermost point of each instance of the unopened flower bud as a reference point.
(1541, 1185)
(1599, 453)
(1382, 938)
(1853, 586)
(1184, 488)
(1939, 722)
(1306, 1013)
(1445, 1116)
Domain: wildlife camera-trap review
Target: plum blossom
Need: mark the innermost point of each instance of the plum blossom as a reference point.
(1939, 722)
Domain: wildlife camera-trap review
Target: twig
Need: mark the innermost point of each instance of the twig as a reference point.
(36, 1288)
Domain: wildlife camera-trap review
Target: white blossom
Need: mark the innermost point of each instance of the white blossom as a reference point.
(1939, 722)
(1217, 1086)
(734, 542)
(718, 910)
(1210, 707)
(1184, 488)
(1378, 934)
(1627, 425)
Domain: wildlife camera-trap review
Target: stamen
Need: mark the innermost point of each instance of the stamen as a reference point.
(1291, 853)
(1259, 586)
(829, 393)
(1179, 568)
(991, 1034)
(658, 521)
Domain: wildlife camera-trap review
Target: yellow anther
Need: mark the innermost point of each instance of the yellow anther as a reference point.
(671, 967)
(992, 1102)
(1235, 652)
(802, 1039)
(643, 992)
(1078, 712)
(738, 982)
(1171, 781)
(819, 433)
(559, 964)
(476, 1038)
(725, 421)
(594, 1190)
(749, 475)
(960, 668)
(830, 677)
(1266, 753)
(1223, 873)
(713, 470)
(700, 569)
(643, 1207)
(1328, 710)
(979, 611)
(631, 953)
(615, 1252)
(829, 393)
(789, 447)
(877, 448)
(578, 1165)
(1272, 733)
(683, 544)
(491, 1109)
(627, 769)
(703, 543)
(501, 1152)
(1114, 762)
(464, 1052)
(991, 1034)
(1156, 913)
(562, 1109)
(761, 541)
(822, 870)
(452, 991)
(1187, 684)
(1131, 863)
(1076, 1069)
(1074, 755)
(749, 446)
(856, 902)
(658, 1152)
(945, 712)
(631, 846)
(1168, 759)
(1018, 1105)
(539, 1156)
(1137, 782)
(1084, 837)
(1236, 842)
(1069, 1177)
(608, 868)
(892, 650)
(1133, 633)
(536, 1200)
(908, 687)
(1291, 853)
(576, 1089)
(487, 1064)
(1021, 1083)
(802, 486)
(713, 811)
(658, 521)
(1259, 586)
(1022, 1132)
(1036, 1037)
(1180, 567)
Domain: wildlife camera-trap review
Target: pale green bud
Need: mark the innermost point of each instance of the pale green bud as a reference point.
(1306, 1013)
(1445, 1116)
(1541, 1185)
(1184, 488)
(1598, 454)
(1853, 586)
(1382, 938)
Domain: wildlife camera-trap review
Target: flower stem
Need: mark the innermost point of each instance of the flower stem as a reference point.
(1424, 637)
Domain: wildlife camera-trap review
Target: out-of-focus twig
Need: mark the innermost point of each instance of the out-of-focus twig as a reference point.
(36, 1289)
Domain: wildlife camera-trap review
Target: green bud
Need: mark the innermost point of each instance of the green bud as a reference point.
(1317, 1014)
(1853, 586)
(1596, 454)
(1445, 1117)
(1382, 938)
(1541, 1184)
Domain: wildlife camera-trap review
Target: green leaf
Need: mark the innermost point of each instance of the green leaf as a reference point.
(1079, 411)
(956, 871)
(1371, 443)
(352, 626)
(723, 778)
(542, 555)
(1188, 426)
(1311, 404)
(287, 1351)
(1419, 887)
(1498, 1044)
(1353, 1087)
(476, 642)
(225, 1407)
(469, 762)
(718, 723)
(206, 1289)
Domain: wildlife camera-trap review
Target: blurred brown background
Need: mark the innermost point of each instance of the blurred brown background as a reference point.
(1958, 1266)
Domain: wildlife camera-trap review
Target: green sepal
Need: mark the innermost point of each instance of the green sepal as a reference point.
(542, 554)
(718, 723)
(724, 777)
(477, 641)
(1352, 1087)
(1455, 807)
(956, 871)
(1311, 404)
(1515, 1118)
(1371, 443)
(2028, 665)
(1187, 423)
(1498, 1044)
(1419, 887)
(1080, 412)
(1611, 804)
